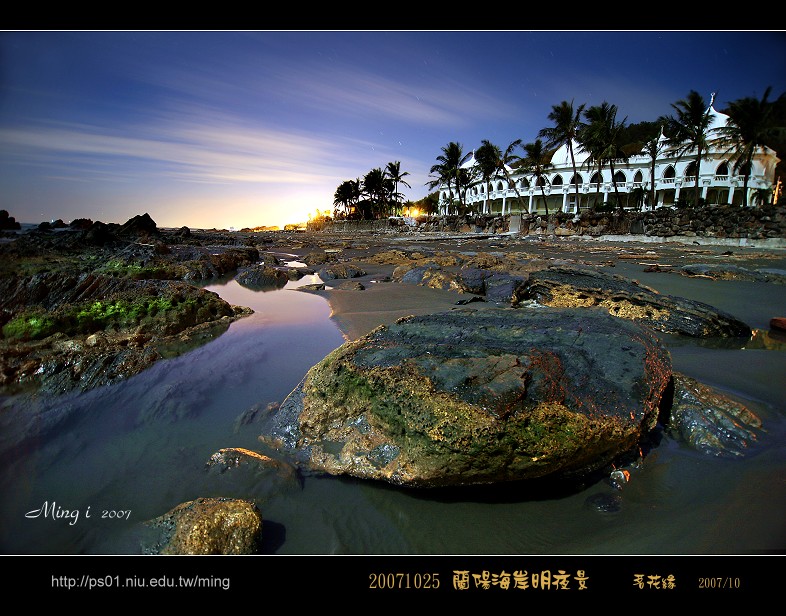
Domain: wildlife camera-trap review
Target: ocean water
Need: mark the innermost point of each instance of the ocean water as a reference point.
(138, 448)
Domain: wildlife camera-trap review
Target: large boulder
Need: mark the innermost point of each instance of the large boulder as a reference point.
(209, 526)
(710, 421)
(477, 396)
(624, 298)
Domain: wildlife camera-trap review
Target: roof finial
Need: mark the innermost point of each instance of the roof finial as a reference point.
(712, 99)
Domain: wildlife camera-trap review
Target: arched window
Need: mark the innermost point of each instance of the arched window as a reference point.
(541, 181)
(499, 186)
(524, 183)
(638, 178)
(690, 170)
(557, 181)
(596, 178)
(576, 179)
(669, 172)
(723, 169)
(619, 177)
(482, 189)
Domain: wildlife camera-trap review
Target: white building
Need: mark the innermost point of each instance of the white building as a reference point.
(674, 179)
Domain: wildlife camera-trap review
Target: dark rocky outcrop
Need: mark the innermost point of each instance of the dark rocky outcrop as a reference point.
(477, 396)
(7, 222)
(262, 277)
(340, 270)
(434, 276)
(734, 272)
(624, 298)
(711, 422)
(209, 526)
(140, 225)
(66, 331)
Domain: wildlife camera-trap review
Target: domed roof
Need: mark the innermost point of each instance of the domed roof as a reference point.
(561, 157)
(717, 119)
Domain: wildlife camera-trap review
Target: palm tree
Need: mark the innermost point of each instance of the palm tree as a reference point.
(447, 169)
(374, 186)
(653, 148)
(487, 157)
(347, 195)
(689, 131)
(510, 160)
(566, 129)
(505, 161)
(394, 174)
(601, 138)
(751, 125)
(537, 162)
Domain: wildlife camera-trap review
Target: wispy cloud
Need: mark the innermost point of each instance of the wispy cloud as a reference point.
(215, 151)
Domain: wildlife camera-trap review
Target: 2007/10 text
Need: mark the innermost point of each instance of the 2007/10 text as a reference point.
(719, 582)
(418, 581)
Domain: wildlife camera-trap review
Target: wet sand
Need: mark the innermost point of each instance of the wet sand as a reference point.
(357, 312)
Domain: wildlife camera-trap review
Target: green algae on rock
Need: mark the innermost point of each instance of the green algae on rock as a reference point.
(478, 396)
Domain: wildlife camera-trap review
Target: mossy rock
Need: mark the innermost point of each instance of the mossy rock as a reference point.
(478, 396)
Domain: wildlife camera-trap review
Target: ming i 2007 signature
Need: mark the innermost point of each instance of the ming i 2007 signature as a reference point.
(56, 512)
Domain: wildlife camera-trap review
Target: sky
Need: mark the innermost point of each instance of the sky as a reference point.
(234, 129)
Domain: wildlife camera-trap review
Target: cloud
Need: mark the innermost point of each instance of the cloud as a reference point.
(210, 150)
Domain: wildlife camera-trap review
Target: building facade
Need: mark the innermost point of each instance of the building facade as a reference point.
(674, 178)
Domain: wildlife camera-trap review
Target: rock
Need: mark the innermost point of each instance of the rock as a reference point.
(618, 478)
(99, 234)
(138, 226)
(104, 323)
(778, 323)
(624, 298)
(235, 457)
(210, 526)
(340, 270)
(262, 277)
(470, 280)
(311, 288)
(319, 257)
(7, 222)
(351, 286)
(734, 272)
(504, 288)
(478, 396)
(711, 422)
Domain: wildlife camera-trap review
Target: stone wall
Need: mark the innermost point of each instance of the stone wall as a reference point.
(715, 222)
(719, 222)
